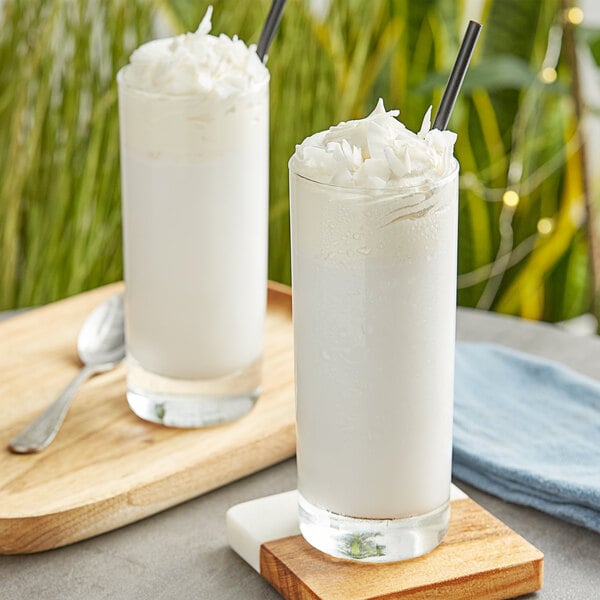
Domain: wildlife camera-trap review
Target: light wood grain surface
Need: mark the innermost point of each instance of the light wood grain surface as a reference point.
(107, 467)
(481, 558)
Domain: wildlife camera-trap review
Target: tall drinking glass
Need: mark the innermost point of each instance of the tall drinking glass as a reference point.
(374, 304)
(195, 211)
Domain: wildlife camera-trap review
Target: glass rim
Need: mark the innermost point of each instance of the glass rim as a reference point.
(120, 78)
(395, 189)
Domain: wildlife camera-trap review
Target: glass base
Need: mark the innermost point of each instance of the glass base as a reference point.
(190, 403)
(372, 540)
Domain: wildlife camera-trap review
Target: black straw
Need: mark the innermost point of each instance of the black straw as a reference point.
(457, 76)
(270, 28)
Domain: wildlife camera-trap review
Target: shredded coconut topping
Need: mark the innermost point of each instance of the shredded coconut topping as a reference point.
(376, 152)
(195, 63)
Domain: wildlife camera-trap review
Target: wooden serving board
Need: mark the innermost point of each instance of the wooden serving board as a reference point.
(479, 558)
(107, 468)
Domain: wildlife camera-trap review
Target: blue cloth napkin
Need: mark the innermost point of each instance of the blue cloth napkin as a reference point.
(528, 430)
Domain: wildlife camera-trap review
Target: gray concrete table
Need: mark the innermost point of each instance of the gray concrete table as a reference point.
(182, 553)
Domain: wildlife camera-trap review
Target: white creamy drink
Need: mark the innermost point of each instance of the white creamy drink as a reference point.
(374, 238)
(194, 157)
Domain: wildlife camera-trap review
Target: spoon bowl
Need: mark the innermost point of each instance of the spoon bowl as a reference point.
(102, 336)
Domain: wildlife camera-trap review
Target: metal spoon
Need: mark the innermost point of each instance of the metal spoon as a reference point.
(101, 347)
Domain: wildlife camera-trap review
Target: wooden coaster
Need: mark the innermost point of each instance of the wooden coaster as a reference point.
(480, 558)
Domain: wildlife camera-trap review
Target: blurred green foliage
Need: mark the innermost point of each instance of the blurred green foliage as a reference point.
(59, 170)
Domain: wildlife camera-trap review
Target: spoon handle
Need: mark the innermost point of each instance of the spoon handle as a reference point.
(38, 434)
